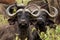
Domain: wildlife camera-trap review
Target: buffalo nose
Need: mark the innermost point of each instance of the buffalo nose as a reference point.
(23, 20)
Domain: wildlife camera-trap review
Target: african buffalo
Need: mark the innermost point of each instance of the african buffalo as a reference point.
(19, 24)
(42, 16)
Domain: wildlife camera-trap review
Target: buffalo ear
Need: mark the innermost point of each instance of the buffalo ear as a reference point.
(11, 21)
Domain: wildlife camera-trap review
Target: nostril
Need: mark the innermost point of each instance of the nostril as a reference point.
(23, 20)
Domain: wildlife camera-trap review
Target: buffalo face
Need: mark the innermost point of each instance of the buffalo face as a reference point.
(41, 22)
(23, 17)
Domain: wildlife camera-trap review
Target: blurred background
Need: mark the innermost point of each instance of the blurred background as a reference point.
(51, 33)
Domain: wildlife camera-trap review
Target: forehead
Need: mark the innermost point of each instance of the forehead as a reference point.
(32, 7)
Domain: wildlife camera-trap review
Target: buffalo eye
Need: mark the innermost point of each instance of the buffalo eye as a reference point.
(27, 14)
(19, 14)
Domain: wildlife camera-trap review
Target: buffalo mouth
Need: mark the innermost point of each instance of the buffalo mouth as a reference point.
(23, 25)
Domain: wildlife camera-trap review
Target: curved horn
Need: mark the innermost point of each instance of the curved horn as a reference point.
(9, 14)
(36, 10)
(36, 13)
(23, 10)
(27, 10)
(19, 10)
(56, 12)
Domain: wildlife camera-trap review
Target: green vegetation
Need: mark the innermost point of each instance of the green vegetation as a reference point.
(51, 34)
(24, 1)
(3, 21)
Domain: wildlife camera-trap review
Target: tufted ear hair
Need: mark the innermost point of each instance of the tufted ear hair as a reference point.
(11, 21)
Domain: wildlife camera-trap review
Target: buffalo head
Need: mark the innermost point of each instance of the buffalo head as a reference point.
(21, 16)
(42, 16)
